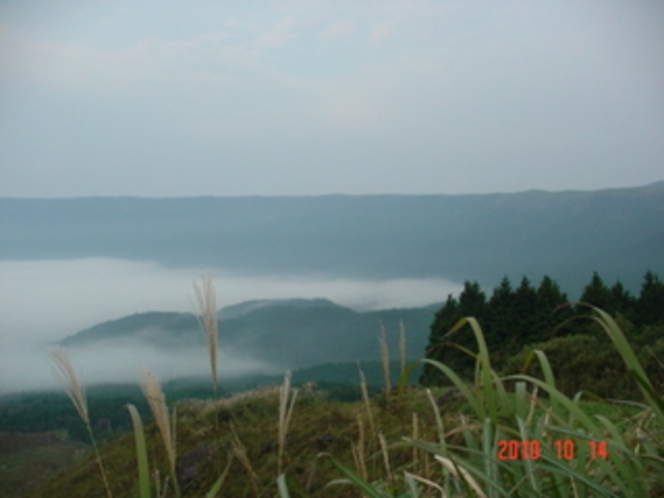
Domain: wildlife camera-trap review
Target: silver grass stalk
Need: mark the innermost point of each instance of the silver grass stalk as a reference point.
(207, 319)
(240, 451)
(361, 448)
(285, 413)
(64, 372)
(157, 403)
(365, 397)
(386, 457)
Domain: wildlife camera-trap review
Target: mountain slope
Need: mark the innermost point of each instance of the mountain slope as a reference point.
(568, 235)
(293, 332)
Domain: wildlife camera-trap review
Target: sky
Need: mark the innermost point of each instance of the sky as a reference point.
(305, 97)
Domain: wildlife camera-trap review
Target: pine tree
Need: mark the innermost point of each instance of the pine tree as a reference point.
(472, 302)
(500, 319)
(650, 304)
(524, 306)
(442, 322)
(598, 294)
(548, 311)
(623, 301)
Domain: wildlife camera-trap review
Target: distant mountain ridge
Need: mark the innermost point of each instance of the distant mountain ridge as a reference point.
(567, 235)
(245, 307)
(296, 333)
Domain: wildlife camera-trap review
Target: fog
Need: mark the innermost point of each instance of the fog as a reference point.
(45, 301)
(25, 367)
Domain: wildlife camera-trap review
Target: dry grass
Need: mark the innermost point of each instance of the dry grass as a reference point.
(157, 403)
(365, 398)
(63, 370)
(240, 451)
(206, 301)
(208, 407)
(286, 404)
(358, 450)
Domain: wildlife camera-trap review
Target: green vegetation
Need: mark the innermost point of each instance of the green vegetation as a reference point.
(533, 431)
(517, 320)
(494, 436)
(64, 371)
(299, 333)
(29, 460)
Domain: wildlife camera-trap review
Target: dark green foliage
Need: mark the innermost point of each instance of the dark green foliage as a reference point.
(472, 302)
(578, 360)
(650, 305)
(514, 318)
(598, 294)
(49, 411)
(511, 317)
(613, 300)
(591, 363)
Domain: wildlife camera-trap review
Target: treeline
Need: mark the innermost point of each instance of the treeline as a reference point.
(515, 319)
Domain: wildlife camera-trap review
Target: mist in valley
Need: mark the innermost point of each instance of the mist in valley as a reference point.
(49, 300)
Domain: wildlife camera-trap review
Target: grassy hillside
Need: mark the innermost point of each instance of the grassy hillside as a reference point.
(495, 436)
(27, 461)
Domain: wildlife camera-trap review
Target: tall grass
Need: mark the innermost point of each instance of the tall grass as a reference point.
(157, 402)
(501, 409)
(456, 454)
(141, 452)
(206, 301)
(365, 398)
(64, 372)
(286, 403)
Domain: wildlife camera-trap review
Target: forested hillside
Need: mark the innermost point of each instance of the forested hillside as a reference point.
(292, 333)
(518, 319)
(457, 237)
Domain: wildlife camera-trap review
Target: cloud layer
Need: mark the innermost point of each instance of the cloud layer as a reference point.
(45, 301)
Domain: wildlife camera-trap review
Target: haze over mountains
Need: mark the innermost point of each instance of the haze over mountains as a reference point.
(69, 264)
(619, 233)
(286, 333)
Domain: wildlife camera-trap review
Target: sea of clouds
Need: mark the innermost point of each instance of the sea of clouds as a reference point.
(47, 300)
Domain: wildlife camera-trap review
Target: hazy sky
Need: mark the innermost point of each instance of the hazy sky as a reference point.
(179, 98)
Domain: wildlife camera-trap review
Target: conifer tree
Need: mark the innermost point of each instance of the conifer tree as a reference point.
(501, 314)
(598, 294)
(650, 305)
(524, 306)
(472, 302)
(623, 301)
(443, 321)
(548, 311)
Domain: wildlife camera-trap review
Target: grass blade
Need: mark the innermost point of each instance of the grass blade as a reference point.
(356, 480)
(141, 452)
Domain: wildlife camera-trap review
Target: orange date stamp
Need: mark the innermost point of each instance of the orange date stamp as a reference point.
(565, 449)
